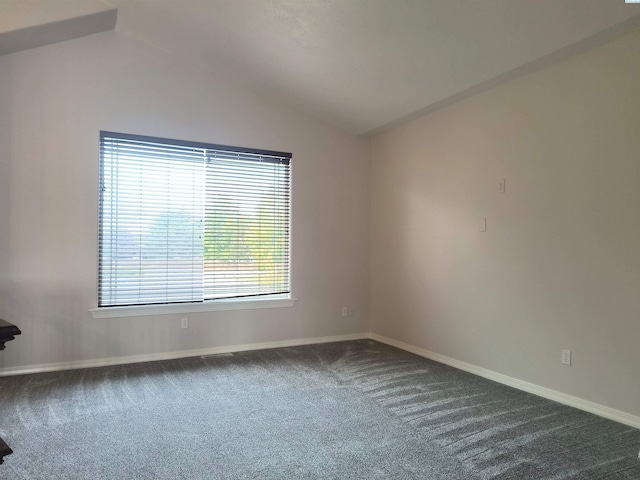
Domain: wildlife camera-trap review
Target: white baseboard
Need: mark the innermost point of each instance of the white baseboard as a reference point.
(570, 400)
(103, 362)
(591, 407)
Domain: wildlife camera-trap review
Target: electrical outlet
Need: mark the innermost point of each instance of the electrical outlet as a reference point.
(348, 311)
(566, 357)
(502, 185)
(184, 322)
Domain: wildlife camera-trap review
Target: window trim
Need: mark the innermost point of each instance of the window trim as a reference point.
(276, 300)
(248, 303)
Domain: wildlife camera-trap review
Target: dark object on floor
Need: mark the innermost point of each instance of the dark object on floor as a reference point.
(4, 450)
(8, 332)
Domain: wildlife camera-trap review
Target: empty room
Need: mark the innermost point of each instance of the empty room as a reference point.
(320, 239)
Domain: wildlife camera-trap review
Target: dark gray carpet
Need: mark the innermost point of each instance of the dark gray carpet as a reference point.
(349, 410)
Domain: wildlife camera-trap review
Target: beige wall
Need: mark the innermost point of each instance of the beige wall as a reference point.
(559, 265)
(54, 102)
(5, 183)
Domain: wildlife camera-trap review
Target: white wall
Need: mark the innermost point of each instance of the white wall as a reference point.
(56, 99)
(559, 266)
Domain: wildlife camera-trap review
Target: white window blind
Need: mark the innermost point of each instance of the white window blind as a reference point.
(190, 222)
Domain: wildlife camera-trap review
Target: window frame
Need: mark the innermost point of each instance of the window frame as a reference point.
(249, 303)
(276, 300)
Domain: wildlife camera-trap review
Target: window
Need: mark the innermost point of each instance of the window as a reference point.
(185, 222)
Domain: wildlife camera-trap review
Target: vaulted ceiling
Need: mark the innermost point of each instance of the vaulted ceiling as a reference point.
(362, 65)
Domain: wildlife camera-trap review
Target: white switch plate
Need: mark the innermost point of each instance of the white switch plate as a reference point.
(184, 322)
(502, 185)
(566, 357)
(483, 224)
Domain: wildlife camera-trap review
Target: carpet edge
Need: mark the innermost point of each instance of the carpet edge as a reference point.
(548, 393)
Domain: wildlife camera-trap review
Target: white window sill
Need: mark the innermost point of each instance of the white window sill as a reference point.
(178, 308)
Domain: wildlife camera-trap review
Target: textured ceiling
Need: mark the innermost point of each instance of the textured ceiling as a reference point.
(367, 64)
